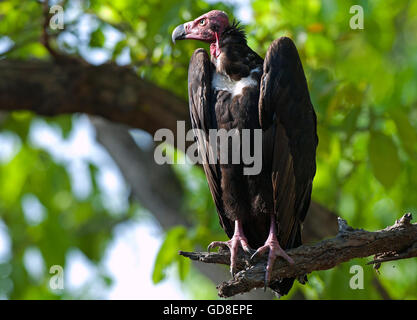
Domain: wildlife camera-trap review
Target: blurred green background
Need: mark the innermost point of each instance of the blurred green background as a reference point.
(63, 199)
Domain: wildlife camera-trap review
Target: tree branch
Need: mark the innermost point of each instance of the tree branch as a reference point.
(392, 243)
(70, 85)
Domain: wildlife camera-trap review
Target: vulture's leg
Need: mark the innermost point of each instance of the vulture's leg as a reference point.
(233, 245)
(274, 248)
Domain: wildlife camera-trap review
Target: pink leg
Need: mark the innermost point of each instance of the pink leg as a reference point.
(275, 250)
(233, 245)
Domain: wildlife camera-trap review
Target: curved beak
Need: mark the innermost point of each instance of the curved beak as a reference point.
(178, 33)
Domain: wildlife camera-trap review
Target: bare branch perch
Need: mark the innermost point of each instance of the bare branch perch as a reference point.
(392, 243)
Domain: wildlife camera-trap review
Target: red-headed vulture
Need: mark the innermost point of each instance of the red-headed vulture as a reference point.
(235, 89)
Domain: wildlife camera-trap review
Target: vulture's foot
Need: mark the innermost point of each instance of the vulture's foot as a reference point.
(233, 244)
(275, 250)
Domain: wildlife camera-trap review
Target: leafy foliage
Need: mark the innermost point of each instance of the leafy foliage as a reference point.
(363, 86)
(50, 220)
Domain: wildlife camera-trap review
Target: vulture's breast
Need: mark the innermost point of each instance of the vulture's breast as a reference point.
(236, 101)
(222, 82)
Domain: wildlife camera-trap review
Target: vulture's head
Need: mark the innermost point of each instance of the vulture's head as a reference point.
(207, 28)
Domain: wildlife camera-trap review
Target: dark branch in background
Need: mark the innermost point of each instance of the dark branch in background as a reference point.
(70, 86)
(392, 243)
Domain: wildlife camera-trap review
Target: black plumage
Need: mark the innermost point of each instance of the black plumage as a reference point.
(279, 104)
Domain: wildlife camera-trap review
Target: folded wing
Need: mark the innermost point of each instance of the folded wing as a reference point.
(202, 120)
(287, 115)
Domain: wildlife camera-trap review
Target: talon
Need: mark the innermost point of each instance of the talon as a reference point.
(258, 252)
(216, 244)
(245, 246)
(233, 244)
(271, 259)
(232, 271)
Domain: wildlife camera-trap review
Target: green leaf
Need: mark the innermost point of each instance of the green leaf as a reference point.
(97, 39)
(385, 162)
(406, 131)
(350, 121)
(168, 252)
(64, 122)
(183, 267)
(118, 48)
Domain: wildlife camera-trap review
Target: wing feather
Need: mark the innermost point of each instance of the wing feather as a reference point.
(285, 110)
(202, 120)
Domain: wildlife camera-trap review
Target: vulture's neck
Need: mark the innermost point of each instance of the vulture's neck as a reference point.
(236, 60)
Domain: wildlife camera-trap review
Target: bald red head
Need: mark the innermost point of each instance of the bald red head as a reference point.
(205, 28)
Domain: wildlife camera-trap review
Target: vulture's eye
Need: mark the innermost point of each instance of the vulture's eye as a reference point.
(202, 22)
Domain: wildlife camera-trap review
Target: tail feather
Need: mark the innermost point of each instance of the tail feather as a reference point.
(282, 287)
